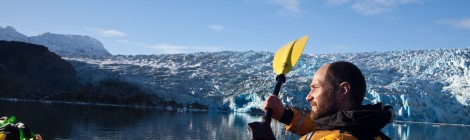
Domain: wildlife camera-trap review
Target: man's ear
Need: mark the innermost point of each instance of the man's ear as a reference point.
(345, 88)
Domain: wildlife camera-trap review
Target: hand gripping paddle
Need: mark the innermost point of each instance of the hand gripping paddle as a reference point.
(284, 60)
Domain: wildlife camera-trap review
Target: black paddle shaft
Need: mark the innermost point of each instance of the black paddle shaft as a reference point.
(262, 130)
(280, 79)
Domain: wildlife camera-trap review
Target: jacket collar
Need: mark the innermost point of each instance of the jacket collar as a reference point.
(365, 121)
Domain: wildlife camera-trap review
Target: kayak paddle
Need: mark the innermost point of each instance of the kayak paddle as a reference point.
(284, 60)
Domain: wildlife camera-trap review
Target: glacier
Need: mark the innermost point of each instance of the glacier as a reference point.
(421, 85)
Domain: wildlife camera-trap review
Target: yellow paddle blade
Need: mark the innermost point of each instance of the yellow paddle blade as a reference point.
(286, 57)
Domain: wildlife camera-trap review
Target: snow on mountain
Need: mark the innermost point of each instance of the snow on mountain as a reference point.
(9, 34)
(71, 45)
(423, 85)
(63, 45)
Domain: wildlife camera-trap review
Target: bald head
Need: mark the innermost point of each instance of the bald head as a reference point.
(339, 72)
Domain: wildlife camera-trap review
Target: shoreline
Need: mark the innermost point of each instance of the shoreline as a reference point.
(168, 108)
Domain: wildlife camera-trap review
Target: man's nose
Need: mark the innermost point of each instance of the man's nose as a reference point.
(309, 97)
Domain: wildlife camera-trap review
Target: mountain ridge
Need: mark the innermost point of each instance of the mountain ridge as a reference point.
(32, 72)
(64, 45)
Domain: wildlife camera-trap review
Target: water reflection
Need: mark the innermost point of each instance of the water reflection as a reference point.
(412, 131)
(82, 122)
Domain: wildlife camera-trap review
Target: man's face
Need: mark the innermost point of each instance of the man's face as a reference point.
(321, 96)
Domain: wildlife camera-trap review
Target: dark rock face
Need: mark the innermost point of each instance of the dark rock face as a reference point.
(110, 91)
(32, 71)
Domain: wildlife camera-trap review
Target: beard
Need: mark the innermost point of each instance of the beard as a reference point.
(324, 107)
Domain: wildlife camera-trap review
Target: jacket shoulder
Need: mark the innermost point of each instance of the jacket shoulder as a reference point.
(332, 135)
(328, 135)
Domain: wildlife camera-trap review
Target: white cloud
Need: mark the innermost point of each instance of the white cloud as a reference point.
(124, 41)
(289, 7)
(217, 27)
(457, 23)
(113, 33)
(108, 32)
(131, 42)
(371, 7)
(174, 49)
(340, 48)
(337, 2)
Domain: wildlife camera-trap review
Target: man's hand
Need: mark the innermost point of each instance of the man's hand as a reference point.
(276, 105)
(38, 137)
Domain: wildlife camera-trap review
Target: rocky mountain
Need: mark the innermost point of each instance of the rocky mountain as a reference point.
(63, 45)
(30, 71)
(10, 34)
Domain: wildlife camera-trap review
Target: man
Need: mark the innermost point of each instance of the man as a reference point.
(335, 97)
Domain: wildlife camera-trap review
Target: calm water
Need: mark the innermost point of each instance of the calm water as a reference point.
(85, 122)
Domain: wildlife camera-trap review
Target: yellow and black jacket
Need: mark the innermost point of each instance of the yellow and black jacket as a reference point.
(344, 125)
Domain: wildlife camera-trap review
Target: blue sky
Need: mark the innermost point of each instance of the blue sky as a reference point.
(185, 26)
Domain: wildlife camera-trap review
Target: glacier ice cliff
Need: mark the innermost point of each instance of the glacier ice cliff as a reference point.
(422, 85)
